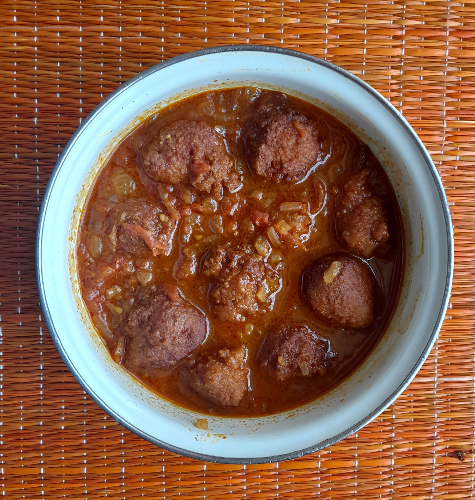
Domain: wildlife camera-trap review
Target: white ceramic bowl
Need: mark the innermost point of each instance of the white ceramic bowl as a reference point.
(385, 372)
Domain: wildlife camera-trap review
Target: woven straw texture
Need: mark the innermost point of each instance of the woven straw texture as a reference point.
(58, 60)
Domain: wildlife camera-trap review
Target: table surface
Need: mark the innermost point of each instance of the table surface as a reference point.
(58, 61)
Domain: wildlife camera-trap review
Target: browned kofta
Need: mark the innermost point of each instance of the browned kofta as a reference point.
(280, 143)
(359, 215)
(293, 350)
(137, 225)
(238, 272)
(189, 152)
(162, 329)
(220, 378)
(339, 288)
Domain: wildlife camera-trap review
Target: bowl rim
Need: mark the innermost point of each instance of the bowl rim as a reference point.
(448, 226)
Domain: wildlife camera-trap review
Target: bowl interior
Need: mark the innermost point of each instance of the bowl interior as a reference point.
(384, 373)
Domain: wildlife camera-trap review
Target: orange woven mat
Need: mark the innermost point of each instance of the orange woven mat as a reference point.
(58, 60)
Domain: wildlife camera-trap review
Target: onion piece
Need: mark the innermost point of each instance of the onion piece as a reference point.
(95, 226)
(210, 205)
(187, 196)
(194, 219)
(262, 246)
(123, 184)
(282, 227)
(369, 249)
(216, 224)
(102, 327)
(263, 292)
(291, 206)
(120, 348)
(144, 277)
(275, 258)
(332, 271)
(208, 108)
(273, 236)
(320, 195)
(113, 237)
(113, 308)
(268, 198)
(94, 246)
(103, 271)
(164, 196)
(304, 367)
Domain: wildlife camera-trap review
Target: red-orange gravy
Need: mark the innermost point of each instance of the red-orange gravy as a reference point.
(285, 218)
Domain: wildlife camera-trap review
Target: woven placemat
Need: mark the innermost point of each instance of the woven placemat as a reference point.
(58, 61)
